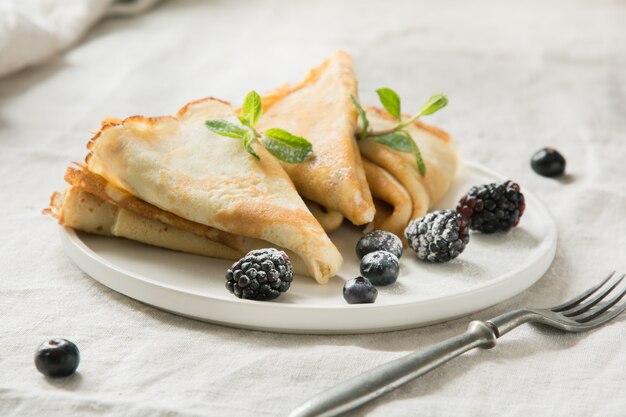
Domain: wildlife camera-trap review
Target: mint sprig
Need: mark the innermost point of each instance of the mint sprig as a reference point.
(400, 141)
(280, 143)
(225, 128)
(247, 144)
(390, 101)
(252, 109)
(366, 124)
(291, 148)
(398, 137)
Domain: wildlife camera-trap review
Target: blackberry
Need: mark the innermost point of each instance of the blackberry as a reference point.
(493, 207)
(260, 275)
(439, 236)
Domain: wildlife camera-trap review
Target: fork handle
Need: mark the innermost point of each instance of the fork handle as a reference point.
(372, 384)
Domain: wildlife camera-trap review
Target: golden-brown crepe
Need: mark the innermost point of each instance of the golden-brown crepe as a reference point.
(320, 109)
(393, 202)
(95, 188)
(438, 152)
(84, 211)
(78, 209)
(330, 220)
(101, 188)
(179, 166)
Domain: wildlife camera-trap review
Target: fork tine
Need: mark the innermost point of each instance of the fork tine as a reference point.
(599, 311)
(576, 310)
(574, 301)
(605, 317)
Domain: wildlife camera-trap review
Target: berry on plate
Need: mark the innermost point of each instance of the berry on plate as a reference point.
(262, 274)
(379, 240)
(359, 290)
(57, 358)
(380, 267)
(493, 207)
(439, 236)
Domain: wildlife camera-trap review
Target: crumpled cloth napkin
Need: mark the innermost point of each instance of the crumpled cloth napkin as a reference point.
(35, 30)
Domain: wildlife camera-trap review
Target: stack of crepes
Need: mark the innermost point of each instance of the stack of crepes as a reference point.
(171, 182)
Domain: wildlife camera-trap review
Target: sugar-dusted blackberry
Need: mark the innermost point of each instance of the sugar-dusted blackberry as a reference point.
(379, 240)
(260, 275)
(439, 236)
(493, 207)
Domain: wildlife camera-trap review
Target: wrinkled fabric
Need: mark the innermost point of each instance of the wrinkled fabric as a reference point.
(519, 76)
(32, 31)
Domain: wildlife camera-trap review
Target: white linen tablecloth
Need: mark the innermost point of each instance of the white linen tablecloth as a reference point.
(519, 75)
(32, 31)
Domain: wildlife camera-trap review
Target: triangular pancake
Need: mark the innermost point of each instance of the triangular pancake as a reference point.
(133, 218)
(320, 109)
(181, 167)
(98, 186)
(438, 152)
(78, 209)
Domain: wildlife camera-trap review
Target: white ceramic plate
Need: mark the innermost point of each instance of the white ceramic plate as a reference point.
(491, 269)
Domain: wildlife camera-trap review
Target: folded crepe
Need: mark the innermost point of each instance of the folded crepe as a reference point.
(81, 210)
(78, 209)
(330, 220)
(320, 109)
(176, 171)
(392, 201)
(439, 155)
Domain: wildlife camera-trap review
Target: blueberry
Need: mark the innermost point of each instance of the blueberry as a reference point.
(548, 162)
(379, 240)
(57, 358)
(380, 267)
(359, 290)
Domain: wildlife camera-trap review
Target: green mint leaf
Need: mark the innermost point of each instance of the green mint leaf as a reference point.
(434, 103)
(403, 142)
(421, 166)
(247, 144)
(390, 101)
(252, 108)
(226, 128)
(285, 146)
(243, 120)
(366, 123)
(231, 130)
(400, 141)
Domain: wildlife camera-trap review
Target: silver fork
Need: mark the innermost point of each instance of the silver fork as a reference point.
(581, 313)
